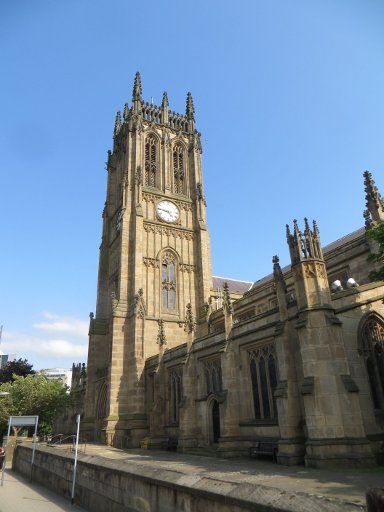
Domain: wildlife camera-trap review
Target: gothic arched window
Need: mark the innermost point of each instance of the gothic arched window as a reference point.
(372, 348)
(168, 281)
(176, 394)
(263, 380)
(150, 161)
(178, 169)
(213, 377)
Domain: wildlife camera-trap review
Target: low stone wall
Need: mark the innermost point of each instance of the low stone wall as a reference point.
(107, 485)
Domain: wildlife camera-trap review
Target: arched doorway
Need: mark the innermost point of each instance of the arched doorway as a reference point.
(215, 421)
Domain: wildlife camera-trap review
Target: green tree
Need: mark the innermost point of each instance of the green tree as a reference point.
(376, 233)
(20, 367)
(33, 395)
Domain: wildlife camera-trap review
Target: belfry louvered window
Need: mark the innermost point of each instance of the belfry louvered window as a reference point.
(178, 169)
(168, 282)
(264, 380)
(372, 348)
(150, 161)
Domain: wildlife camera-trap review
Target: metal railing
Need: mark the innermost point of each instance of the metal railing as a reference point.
(61, 439)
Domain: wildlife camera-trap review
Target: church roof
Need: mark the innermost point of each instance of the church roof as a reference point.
(234, 285)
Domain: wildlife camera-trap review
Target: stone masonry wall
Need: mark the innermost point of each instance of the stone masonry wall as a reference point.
(107, 485)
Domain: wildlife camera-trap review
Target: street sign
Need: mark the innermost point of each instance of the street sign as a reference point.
(20, 421)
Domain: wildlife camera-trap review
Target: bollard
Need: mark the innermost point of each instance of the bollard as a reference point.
(375, 500)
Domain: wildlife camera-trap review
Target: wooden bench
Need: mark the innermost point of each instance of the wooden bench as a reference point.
(170, 444)
(268, 448)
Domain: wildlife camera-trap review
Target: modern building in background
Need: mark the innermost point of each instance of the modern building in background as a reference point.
(5, 358)
(62, 374)
(216, 364)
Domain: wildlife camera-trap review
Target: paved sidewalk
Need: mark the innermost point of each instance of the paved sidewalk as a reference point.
(19, 495)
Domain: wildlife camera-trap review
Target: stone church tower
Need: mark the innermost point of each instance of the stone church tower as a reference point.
(155, 266)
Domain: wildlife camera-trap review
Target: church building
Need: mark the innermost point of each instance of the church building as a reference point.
(218, 365)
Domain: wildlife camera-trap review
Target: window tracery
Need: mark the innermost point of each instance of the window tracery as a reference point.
(372, 348)
(263, 371)
(213, 378)
(168, 281)
(150, 161)
(178, 169)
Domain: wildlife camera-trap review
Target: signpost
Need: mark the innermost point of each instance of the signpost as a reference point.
(75, 462)
(20, 421)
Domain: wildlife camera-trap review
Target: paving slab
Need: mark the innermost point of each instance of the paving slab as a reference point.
(19, 495)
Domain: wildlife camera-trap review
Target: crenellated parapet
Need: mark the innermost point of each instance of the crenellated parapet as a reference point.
(304, 245)
(159, 115)
(308, 265)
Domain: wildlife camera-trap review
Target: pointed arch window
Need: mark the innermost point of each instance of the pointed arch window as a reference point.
(213, 377)
(178, 169)
(262, 366)
(372, 348)
(168, 282)
(150, 161)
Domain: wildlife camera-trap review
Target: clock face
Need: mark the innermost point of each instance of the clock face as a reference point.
(167, 211)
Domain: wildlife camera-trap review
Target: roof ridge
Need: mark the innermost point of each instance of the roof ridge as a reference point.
(234, 279)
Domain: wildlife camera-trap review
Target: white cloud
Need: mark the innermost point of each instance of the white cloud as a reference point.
(63, 325)
(58, 342)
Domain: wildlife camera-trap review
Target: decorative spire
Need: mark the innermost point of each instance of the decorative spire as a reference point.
(190, 109)
(278, 274)
(165, 103)
(137, 90)
(227, 304)
(189, 324)
(161, 339)
(304, 245)
(374, 201)
(117, 123)
(126, 113)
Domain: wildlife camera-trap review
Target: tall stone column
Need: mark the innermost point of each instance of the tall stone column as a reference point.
(333, 421)
(291, 444)
(229, 444)
(189, 430)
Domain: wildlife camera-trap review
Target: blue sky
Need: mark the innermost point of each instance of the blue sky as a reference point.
(288, 97)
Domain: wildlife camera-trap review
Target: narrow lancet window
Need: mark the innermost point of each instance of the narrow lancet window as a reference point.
(263, 382)
(168, 282)
(178, 170)
(150, 161)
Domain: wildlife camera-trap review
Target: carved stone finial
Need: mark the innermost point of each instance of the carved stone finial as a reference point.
(139, 305)
(278, 274)
(126, 113)
(373, 199)
(161, 339)
(164, 102)
(190, 109)
(117, 123)
(139, 176)
(114, 301)
(227, 304)
(189, 324)
(137, 89)
(200, 193)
